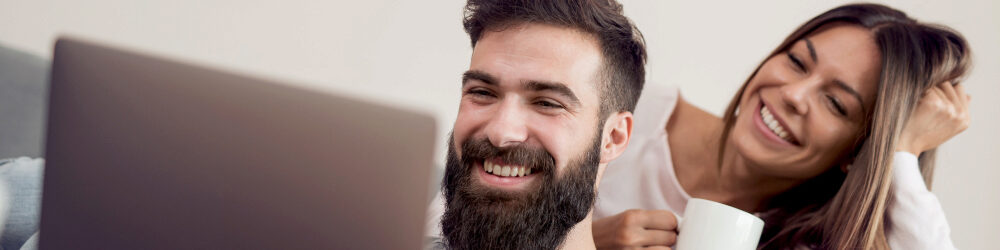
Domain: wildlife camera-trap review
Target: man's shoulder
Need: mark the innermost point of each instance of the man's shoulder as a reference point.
(21, 166)
(434, 243)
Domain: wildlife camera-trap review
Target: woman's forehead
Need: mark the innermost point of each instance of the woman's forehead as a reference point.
(847, 52)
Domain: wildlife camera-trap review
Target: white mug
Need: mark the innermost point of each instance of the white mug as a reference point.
(711, 225)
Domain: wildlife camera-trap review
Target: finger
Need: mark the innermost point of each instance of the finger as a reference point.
(656, 248)
(932, 95)
(961, 102)
(959, 88)
(965, 108)
(658, 238)
(965, 98)
(938, 92)
(660, 220)
(950, 92)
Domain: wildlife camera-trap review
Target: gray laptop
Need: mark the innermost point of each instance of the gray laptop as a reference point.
(147, 153)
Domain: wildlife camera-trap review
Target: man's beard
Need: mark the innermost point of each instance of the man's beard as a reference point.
(539, 217)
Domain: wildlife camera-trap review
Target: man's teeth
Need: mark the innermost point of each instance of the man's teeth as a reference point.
(773, 124)
(505, 171)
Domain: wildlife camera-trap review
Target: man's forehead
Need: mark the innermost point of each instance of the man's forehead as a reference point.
(539, 53)
(559, 35)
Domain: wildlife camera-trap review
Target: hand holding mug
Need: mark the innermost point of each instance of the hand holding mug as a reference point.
(636, 229)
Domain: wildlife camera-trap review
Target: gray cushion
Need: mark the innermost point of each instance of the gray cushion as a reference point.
(23, 178)
(23, 92)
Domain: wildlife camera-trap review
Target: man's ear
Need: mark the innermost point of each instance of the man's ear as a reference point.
(616, 135)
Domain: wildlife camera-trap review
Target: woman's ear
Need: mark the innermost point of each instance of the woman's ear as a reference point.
(616, 135)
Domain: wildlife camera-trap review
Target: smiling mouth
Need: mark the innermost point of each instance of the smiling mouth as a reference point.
(775, 126)
(506, 170)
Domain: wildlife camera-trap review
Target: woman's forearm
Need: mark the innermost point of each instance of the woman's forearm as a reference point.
(916, 220)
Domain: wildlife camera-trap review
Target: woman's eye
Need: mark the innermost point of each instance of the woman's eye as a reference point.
(837, 105)
(795, 61)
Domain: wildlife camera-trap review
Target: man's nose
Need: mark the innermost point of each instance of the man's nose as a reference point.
(508, 127)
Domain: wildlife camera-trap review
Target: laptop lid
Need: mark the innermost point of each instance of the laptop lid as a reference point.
(147, 153)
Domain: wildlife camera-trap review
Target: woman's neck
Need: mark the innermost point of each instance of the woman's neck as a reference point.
(694, 145)
(738, 185)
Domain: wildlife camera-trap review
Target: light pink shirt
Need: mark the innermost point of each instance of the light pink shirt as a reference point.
(643, 176)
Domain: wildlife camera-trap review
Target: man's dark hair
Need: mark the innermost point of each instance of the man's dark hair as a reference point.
(622, 45)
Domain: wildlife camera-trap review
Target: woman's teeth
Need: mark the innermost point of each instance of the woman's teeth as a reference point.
(506, 171)
(773, 124)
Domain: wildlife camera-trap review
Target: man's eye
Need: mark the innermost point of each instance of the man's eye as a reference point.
(479, 93)
(548, 104)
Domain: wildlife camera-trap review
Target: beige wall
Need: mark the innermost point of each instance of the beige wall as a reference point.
(411, 53)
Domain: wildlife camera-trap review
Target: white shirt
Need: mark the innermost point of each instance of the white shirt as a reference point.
(916, 220)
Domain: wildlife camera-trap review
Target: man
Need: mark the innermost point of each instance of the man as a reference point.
(546, 103)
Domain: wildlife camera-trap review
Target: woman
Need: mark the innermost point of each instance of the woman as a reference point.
(819, 141)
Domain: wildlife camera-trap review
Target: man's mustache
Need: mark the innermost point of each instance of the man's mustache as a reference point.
(478, 150)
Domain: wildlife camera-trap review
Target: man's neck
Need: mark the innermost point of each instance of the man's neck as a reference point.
(581, 236)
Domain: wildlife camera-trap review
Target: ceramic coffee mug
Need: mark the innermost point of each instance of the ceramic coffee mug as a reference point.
(709, 225)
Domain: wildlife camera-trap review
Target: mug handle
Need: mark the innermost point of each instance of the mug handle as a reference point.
(678, 219)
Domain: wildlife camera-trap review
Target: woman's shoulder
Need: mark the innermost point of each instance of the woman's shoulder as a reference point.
(687, 117)
(657, 98)
(662, 105)
(693, 132)
(654, 107)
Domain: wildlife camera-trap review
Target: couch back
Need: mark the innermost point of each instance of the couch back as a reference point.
(23, 100)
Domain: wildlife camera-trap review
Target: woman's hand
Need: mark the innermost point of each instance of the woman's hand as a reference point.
(636, 229)
(941, 113)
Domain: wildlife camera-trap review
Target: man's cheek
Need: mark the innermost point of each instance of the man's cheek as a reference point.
(556, 145)
(460, 134)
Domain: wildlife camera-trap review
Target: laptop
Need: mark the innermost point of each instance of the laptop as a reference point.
(148, 153)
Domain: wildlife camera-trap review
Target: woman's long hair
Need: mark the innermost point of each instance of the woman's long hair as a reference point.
(838, 210)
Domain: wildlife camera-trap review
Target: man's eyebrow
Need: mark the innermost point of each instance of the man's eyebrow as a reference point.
(479, 76)
(556, 87)
(853, 92)
(812, 51)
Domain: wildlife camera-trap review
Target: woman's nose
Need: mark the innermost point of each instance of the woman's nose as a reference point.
(795, 95)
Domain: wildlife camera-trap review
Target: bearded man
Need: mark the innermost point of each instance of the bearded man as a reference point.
(546, 103)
